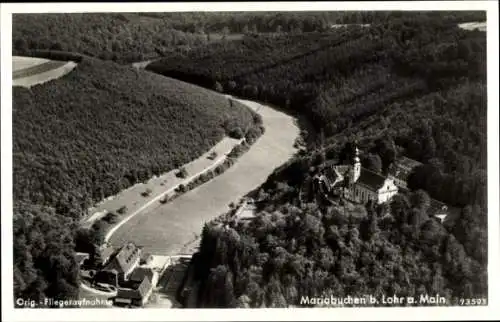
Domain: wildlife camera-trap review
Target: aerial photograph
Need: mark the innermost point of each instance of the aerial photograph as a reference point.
(266, 159)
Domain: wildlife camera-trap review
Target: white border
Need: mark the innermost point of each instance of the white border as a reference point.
(348, 314)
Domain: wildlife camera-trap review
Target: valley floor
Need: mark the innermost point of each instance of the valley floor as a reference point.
(167, 228)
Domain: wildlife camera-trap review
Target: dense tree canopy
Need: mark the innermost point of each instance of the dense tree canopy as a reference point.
(413, 87)
(112, 36)
(88, 135)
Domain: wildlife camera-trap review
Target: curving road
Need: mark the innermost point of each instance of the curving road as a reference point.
(166, 228)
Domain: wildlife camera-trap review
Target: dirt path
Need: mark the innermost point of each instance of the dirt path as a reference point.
(170, 190)
(480, 25)
(30, 71)
(166, 229)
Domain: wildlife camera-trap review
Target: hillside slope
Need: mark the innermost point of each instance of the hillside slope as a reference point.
(408, 87)
(85, 136)
(123, 37)
(366, 83)
(104, 127)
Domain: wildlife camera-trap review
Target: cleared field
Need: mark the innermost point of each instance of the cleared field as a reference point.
(481, 26)
(21, 62)
(166, 229)
(30, 71)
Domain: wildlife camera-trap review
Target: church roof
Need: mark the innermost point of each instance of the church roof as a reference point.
(370, 179)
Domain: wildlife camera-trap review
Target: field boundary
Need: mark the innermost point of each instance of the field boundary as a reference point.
(161, 195)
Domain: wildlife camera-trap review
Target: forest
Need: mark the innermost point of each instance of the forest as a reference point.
(365, 84)
(132, 37)
(86, 136)
(412, 87)
(124, 38)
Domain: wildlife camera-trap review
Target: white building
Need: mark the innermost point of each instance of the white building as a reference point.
(358, 184)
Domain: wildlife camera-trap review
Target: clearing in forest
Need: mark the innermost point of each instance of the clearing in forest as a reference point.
(30, 71)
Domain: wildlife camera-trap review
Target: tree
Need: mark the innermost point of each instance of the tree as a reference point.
(21, 45)
(245, 30)
(420, 199)
(236, 133)
(372, 162)
(231, 85)
(218, 87)
(386, 149)
(225, 32)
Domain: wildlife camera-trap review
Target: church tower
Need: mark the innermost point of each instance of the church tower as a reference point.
(356, 166)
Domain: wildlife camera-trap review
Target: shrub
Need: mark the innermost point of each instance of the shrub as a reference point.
(110, 218)
(181, 188)
(236, 133)
(146, 193)
(182, 173)
(257, 118)
(122, 210)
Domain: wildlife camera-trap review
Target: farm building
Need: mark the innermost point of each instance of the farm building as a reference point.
(140, 273)
(123, 263)
(137, 295)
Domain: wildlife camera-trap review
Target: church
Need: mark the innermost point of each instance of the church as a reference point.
(358, 184)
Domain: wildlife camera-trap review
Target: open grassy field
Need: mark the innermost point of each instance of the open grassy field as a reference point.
(166, 229)
(29, 71)
(480, 25)
(158, 185)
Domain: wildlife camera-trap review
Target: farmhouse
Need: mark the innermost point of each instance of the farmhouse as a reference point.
(121, 265)
(137, 295)
(358, 184)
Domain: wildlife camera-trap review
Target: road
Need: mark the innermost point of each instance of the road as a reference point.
(157, 198)
(166, 228)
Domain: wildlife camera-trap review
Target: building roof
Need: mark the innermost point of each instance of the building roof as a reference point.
(407, 163)
(140, 273)
(146, 256)
(437, 206)
(371, 179)
(125, 258)
(139, 293)
(105, 252)
(81, 257)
